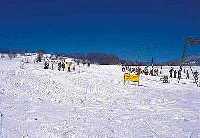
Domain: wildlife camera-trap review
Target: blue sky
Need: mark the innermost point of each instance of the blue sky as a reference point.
(133, 29)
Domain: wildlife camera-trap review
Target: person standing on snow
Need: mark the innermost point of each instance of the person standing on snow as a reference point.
(146, 72)
(160, 69)
(156, 72)
(175, 72)
(196, 74)
(59, 66)
(46, 65)
(139, 71)
(179, 75)
(170, 72)
(88, 64)
(68, 69)
(52, 65)
(187, 75)
(151, 72)
(63, 66)
(74, 68)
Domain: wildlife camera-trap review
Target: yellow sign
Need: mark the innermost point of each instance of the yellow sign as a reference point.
(131, 77)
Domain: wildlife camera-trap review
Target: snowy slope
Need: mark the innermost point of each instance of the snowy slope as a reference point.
(94, 102)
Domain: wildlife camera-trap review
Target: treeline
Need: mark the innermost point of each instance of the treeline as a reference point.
(97, 58)
(106, 59)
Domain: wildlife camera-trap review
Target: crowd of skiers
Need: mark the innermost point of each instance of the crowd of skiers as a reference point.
(154, 71)
(139, 70)
(175, 74)
(178, 74)
(61, 65)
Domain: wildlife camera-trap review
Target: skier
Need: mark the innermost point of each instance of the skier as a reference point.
(187, 75)
(161, 69)
(123, 69)
(151, 72)
(196, 74)
(68, 69)
(179, 75)
(139, 71)
(88, 64)
(84, 63)
(78, 62)
(175, 72)
(59, 66)
(22, 64)
(170, 72)
(156, 72)
(52, 65)
(63, 66)
(73, 68)
(46, 65)
(146, 72)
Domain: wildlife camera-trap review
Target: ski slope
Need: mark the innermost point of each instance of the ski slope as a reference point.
(94, 102)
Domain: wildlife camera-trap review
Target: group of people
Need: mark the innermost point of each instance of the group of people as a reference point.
(135, 70)
(173, 73)
(139, 70)
(61, 66)
(152, 72)
(178, 74)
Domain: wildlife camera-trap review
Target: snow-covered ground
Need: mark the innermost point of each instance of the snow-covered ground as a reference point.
(94, 102)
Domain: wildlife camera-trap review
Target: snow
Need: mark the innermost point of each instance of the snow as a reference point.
(94, 102)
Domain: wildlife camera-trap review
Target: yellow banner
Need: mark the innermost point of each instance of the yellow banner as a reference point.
(131, 77)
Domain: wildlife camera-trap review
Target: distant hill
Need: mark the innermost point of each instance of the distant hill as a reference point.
(192, 60)
(98, 58)
(5, 50)
(105, 59)
(111, 59)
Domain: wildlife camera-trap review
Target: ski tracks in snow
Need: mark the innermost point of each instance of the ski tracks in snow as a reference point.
(93, 102)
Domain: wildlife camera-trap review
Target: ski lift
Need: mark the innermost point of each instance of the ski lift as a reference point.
(190, 41)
